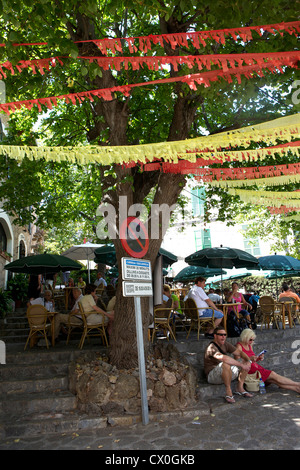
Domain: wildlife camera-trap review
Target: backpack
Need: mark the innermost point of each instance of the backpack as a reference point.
(235, 325)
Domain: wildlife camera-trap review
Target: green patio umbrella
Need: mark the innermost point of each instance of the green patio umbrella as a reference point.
(229, 277)
(42, 264)
(280, 274)
(222, 257)
(190, 273)
(279, 263)
(107, 255)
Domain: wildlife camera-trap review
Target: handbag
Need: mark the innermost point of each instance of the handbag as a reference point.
(252, 381)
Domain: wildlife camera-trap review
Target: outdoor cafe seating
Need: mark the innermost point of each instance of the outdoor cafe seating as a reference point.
(37, 316)
(291, 308)
(89, 330)
(275, 312)
(163, 321)
(191, 312)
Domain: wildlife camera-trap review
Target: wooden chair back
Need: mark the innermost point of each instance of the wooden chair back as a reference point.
(91, 330)
(267, 304)
(37, 316)
(191, 310)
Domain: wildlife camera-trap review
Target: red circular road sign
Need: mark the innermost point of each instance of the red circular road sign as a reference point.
(134, 237)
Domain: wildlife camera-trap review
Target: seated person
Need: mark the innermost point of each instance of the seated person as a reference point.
(288, 292)
(236, 296)
(226, 293)
(81, 283)
(175, 300)
(204, 303)
(212, 294)
(220, 367)
(88, 303)
(268, 376)
(63, 318)
(110, 308)
(100, 281)
(46, 301)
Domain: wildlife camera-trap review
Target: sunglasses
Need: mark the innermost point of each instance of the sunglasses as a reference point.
(221, 334)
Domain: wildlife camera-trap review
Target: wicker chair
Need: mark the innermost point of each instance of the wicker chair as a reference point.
(37, 316)
(196, 322)
(163, 321)
(98, 329)
(269, 312)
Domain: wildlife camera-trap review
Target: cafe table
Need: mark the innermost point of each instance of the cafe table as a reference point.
(228, 306)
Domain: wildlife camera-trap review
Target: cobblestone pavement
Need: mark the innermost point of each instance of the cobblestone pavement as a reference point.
(265, 422)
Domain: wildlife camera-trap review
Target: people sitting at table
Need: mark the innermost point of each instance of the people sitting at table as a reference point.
(212, 294)
(226, 293)
(288, 292)
(62, 319)
(100, 281)
(175, 300)
(245, 344)
(205, 305)
(46, 301)
(71, 282)
(89, 304)
(236, 296)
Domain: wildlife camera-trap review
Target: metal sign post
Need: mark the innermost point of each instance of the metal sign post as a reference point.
(137, 283)
(141, 358)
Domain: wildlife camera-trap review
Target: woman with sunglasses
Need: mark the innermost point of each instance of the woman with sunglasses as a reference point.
(247, 338)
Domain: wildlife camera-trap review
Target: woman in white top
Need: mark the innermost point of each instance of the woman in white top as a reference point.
(89, 304)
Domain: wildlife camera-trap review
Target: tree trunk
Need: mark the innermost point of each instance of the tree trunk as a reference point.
(123, 344)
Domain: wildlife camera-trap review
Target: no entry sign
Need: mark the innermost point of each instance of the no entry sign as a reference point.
(134, 237)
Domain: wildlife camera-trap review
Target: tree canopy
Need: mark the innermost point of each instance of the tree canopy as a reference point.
(68, 31)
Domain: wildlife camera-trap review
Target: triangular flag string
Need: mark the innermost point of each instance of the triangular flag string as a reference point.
(198, 38)
(192, 80)
(162, 153)
(223, 61)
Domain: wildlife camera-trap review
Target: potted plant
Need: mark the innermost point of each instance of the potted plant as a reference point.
(7, 256)
(18, 288)
(5, 303)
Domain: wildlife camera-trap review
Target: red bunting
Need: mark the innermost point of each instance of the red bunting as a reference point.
(201, 171)
(192, 80)
(282, 209)
(197, 39)
(226, 62)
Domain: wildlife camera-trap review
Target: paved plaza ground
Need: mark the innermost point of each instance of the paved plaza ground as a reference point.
(268, 422)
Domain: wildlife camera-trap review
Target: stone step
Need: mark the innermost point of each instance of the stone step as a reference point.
(23, 404)
(10, 387)
(49, 423)
(38, 371)
(34, 383)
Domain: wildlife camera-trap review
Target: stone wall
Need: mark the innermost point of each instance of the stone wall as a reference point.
(101, 387)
